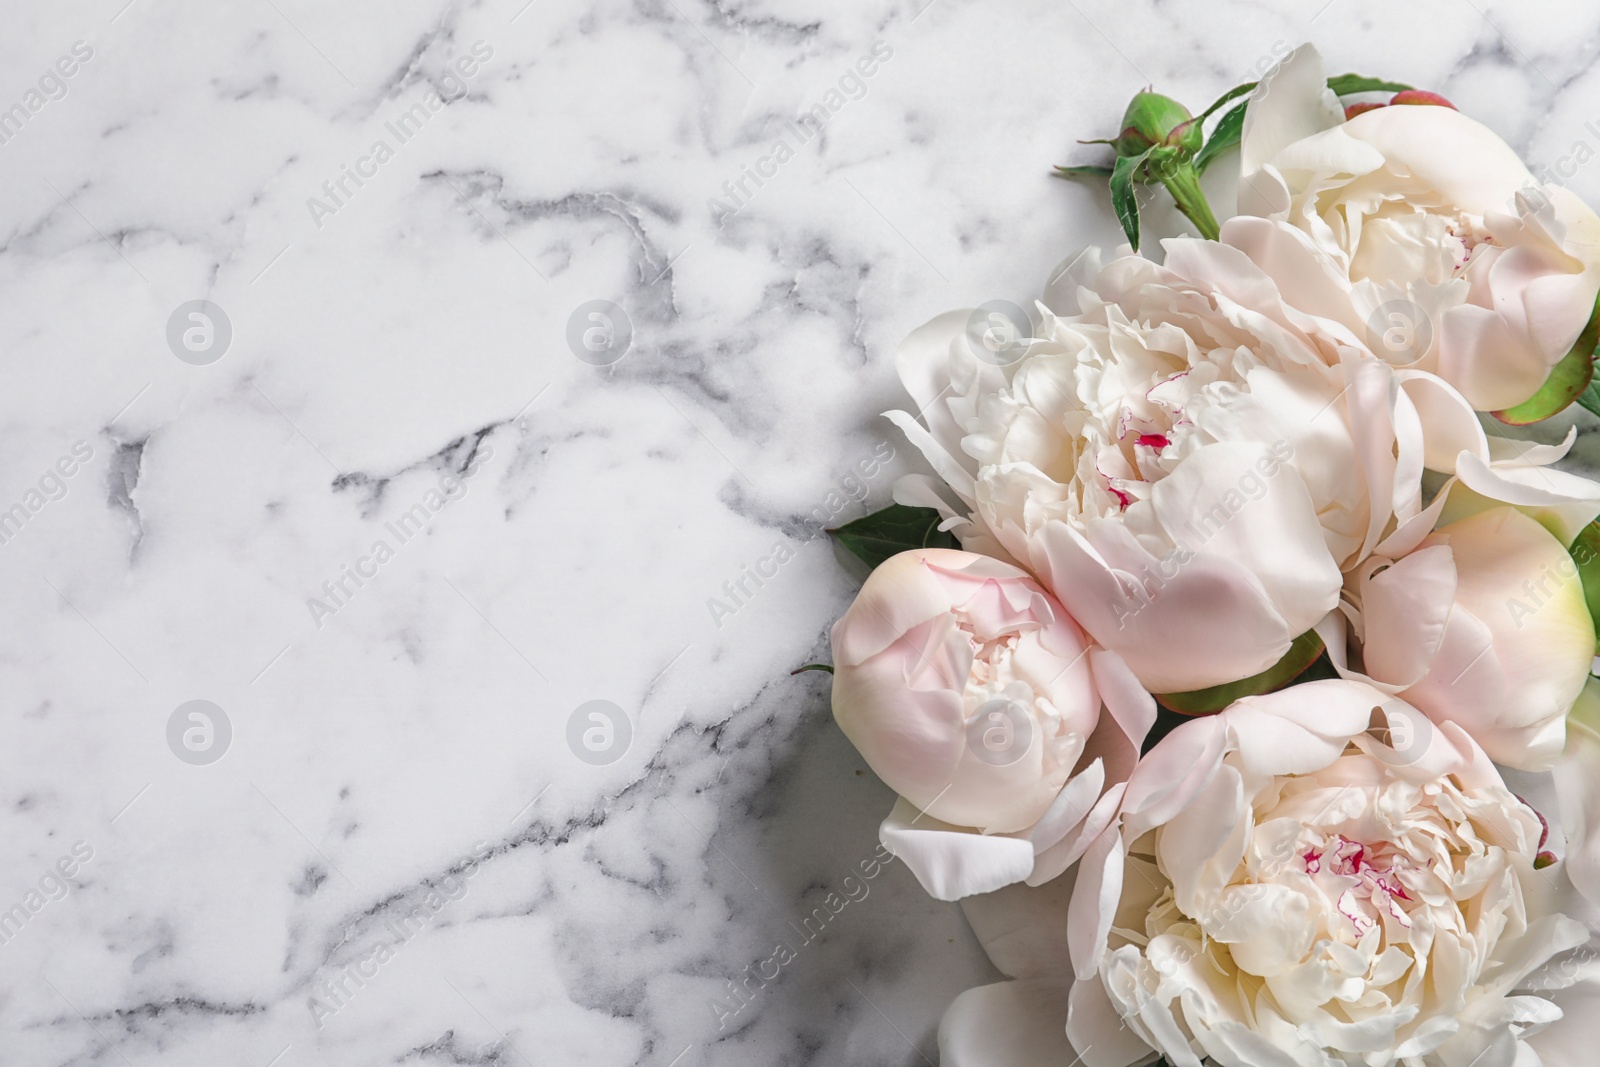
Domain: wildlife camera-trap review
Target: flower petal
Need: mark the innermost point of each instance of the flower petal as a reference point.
(1094, 1026)
(1570, 1041)
(1009, 1024)
(1023, 928)
(1167, 642)
(953, 862)
(1577, 781)
(1300, 729)
(1404, 609)
(1291, 102)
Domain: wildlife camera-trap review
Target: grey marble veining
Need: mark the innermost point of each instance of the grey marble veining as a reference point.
(398, 857)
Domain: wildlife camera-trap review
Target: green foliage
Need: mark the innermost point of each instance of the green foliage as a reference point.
(1571, 379)
(1586, 554)
(1348, 84)
(1123, 200)
(1230, 128)
(1086, 171)
(896, 529)
(1303, 653)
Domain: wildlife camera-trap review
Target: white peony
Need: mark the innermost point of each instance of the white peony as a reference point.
(1315, 878)
(1420, 229)
(1183, 449)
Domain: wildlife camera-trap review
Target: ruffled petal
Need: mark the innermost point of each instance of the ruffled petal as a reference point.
(1300, 729)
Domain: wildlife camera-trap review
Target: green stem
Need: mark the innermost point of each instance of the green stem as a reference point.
(1183, 183)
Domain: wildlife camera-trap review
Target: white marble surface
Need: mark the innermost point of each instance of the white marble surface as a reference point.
(412, 739)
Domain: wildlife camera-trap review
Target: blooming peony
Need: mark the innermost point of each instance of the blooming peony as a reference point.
(1314, 878)
(1184, 449)
(974, 695)
(1418, 228)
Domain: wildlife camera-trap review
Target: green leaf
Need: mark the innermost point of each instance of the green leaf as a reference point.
(896, 529)
(1571, 379)
(1227, 134)
(1321, 670)
(1346, 84)
(811, 667)
(1303, 652)
(1585, 553)
(1123, 201)
(1232, 94)
(1589, 399)
(1087, 171)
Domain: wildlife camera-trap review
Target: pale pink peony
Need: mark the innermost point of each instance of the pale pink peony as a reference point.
(975, 696)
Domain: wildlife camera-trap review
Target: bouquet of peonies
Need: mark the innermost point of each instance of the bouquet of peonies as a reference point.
(1235, 669)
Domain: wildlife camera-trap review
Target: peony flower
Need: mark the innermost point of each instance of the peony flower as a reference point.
(1319, 877)
(1185, 447)
(974, 695)
(1182, 450)
(1484, 625)
(1420, 229)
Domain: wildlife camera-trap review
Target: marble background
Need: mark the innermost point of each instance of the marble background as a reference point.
(399, 857)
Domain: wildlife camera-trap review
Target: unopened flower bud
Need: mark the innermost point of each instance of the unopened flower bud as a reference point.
(1406, 96)
(1153, 120)
(1421, 96)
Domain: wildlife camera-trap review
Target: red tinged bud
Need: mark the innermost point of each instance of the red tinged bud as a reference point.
(1153, 120)
(1421, 96)
(1408, 96)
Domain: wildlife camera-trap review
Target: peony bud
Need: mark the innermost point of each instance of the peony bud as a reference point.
(1485, 625)
(1421, 96)
(975, 696)
(1405, 96)
(1153, 121)
(966, 687)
